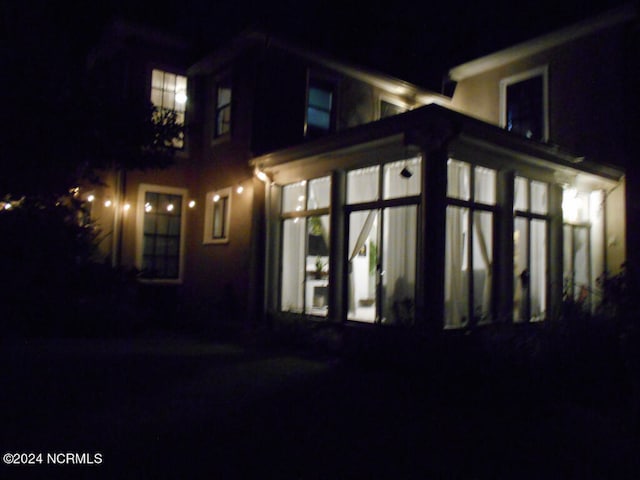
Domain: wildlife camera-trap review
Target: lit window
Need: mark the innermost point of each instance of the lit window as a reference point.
(161, 233)
(305, 246)
(217, 216)
(169, 97)
(524, 104)
(223, 108)
(319, 108)
(469, 237)
(530, 240)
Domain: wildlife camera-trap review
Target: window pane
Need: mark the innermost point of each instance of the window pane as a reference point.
(403, 178)
(363, 265)
(485, 185)
(524, 108)
(224, 96)
(161, 240)
(482, 265)
(362, 185)
(317, 265)
(539, 194)
(157, 79)
(319, 98)
(521, 274)
(456, 275)
(319, 193)
(293, 265)
(521, 194)
(399, 265)
(294, 197)
(318, 118)
(538, 269)
(458, 179)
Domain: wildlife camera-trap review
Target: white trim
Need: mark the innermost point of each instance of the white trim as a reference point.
(505, 82)
(183, 192)
(208, 219)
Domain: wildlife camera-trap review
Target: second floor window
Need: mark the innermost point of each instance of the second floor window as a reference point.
(320, 104)
(524, 104)
(223, 108)
(169, 97)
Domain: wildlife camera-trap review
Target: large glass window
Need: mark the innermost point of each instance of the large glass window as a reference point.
(161, 240)
(382, 244)
(583, 252)
(305, 247)
(169, 97)
(524, 104)
(469, 244)
(530, 250)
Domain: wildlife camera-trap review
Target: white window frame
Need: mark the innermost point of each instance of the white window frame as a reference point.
(143, 188)
(535, 72)
(208, 219)
(178, 142)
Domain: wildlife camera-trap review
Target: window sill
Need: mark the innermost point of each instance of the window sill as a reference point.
(221, 139)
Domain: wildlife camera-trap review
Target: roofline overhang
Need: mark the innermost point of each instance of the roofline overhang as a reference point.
(536, 45)
(431, 126)
(253, 38)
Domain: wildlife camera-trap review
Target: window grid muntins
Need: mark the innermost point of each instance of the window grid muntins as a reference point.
(471, 205)
(305, 246)
(161, 236)
(169, 94)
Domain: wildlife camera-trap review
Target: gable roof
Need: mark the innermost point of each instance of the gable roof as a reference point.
(608, 19)
(387, 83)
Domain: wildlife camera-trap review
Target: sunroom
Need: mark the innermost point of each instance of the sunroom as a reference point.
(435, 219)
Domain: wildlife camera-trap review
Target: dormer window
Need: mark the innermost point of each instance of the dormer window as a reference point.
(169, 97)
(320, 104)
(523, 104)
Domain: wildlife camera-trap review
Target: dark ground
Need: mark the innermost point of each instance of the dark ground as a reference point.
(173, 407)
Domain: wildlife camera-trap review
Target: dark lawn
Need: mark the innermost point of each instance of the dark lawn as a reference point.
(180, 408)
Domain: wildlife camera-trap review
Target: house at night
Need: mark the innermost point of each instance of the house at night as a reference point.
(310, 188)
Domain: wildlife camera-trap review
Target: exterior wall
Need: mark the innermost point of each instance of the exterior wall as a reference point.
(586, 92)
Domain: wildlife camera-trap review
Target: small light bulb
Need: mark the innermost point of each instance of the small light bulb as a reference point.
(91, 198)
(170, 207)
(126, 207)
(240, 189)
(216, 197)
(192, 203)
(108, 203)
(147, 207)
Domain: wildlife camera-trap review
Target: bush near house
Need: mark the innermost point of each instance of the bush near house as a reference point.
(52, 285)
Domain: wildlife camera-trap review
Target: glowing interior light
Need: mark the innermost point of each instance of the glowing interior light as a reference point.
(570, 204)
(147, 207)
(240, 189)
(126, 207)
(7, 206)
(170, 207)
(192, 203)
(299, 208)
(181, 98)
(91, 198)
(108, 203)
(216, 197)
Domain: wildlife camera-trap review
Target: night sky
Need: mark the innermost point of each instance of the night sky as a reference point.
(411, 40)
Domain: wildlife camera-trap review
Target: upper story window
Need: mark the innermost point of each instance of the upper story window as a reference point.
(320, 106)
(169, 97)
(223, 107)
(523, 104)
